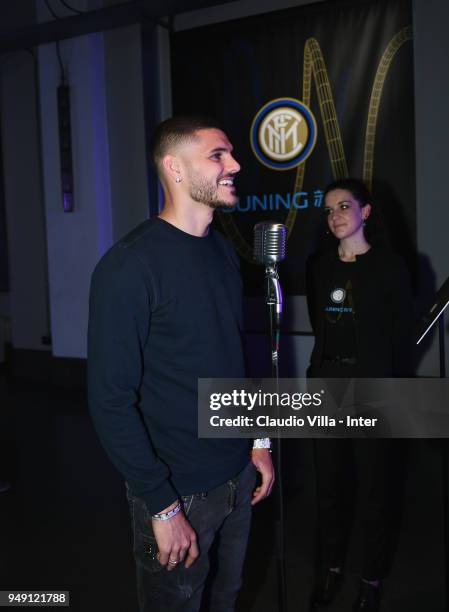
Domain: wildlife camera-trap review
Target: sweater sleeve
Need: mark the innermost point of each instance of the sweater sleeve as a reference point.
(119, 321)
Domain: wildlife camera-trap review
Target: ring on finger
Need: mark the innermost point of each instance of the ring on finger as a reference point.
(172, 562)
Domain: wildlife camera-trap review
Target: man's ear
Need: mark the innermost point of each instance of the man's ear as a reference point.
(171, 168)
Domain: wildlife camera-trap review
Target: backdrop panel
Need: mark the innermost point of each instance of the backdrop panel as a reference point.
(307, 95)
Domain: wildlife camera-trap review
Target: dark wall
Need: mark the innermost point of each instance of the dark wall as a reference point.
(4, 276)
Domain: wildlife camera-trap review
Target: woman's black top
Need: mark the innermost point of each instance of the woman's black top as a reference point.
(361, 310)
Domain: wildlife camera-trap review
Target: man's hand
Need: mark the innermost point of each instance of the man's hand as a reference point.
(261, 457)
(175, 538)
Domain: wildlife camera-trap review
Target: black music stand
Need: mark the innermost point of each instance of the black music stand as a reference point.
(436, 313)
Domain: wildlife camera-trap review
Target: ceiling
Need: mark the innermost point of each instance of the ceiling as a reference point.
(21, 31)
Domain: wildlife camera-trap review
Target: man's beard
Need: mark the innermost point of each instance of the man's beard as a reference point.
(205, 193)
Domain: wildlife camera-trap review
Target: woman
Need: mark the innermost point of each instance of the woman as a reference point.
(359, 305)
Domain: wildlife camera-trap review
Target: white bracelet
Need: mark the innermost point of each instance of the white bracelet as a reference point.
(164, 516)
(262, 443)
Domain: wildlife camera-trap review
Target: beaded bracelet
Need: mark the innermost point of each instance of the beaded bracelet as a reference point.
(262, 443)
(164, 516)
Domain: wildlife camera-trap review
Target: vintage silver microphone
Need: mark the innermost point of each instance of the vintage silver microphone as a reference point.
(269, 242)
(269, 249)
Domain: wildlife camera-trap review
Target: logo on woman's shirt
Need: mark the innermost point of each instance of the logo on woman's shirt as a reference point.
(338, 295)
(342, 298)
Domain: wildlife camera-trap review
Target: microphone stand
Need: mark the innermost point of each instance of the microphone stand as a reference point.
(274, 303)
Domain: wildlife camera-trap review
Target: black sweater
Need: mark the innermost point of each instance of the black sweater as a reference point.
(383, 307)
(165, 310)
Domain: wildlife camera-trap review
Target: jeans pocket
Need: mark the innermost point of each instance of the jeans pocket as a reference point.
(146, 553)
(246, 480)
(131, 508)
(145, 545)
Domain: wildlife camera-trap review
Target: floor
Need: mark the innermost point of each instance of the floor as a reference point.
(64, 524)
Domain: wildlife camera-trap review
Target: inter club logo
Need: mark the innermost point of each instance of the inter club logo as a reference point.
(338, 296)
(283, 134)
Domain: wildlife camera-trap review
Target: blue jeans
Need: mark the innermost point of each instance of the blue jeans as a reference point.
(221, 516)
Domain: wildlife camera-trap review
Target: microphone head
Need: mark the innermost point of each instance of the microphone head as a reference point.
(269, 242)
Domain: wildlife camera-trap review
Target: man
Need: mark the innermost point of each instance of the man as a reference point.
(165, 310)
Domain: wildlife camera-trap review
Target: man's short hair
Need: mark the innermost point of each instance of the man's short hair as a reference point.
(177, 130)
